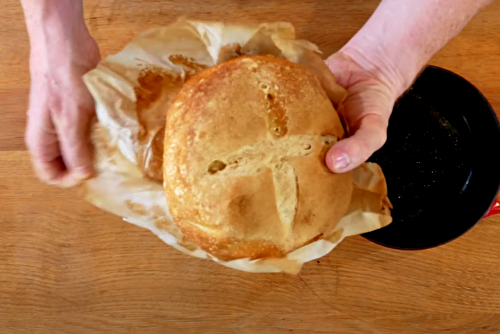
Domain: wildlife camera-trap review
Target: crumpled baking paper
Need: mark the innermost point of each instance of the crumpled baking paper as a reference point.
(133, 90)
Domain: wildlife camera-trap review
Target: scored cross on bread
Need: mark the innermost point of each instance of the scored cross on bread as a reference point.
(272, 154)
(244, 170)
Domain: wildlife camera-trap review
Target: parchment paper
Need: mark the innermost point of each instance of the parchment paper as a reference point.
(133, 90)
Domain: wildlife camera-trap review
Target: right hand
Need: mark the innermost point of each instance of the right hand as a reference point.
(367, 108)
(61, 108)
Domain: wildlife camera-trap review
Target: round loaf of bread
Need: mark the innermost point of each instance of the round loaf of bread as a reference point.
(244, 170)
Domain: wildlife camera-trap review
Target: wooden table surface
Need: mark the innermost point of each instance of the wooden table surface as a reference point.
(67, 267)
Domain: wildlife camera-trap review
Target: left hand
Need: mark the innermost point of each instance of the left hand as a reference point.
(367, 109)
(61, 109)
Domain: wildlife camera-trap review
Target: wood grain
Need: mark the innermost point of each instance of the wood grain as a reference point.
(66, 267)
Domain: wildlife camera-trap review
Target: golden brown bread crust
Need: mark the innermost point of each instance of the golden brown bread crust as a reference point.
(244, 159)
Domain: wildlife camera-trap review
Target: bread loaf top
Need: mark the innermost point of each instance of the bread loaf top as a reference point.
(244, 170)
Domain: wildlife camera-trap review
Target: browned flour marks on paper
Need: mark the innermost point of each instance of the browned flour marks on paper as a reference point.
(228, 52)
(152, 82)
(189, 64)
(156, 84)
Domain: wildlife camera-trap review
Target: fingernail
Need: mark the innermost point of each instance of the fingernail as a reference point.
(341, 162)
(82, 172)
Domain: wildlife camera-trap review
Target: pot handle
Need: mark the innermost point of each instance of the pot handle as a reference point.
(494, 210)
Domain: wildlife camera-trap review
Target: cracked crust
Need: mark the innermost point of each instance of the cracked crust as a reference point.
(244, 159)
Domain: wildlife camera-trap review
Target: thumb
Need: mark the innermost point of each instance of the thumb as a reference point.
(370, 135)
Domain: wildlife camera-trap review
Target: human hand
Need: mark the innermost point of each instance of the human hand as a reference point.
(367, 108)
(382, 60)
(61, 108)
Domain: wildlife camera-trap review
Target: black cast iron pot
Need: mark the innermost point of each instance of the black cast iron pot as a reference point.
(441, 161)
